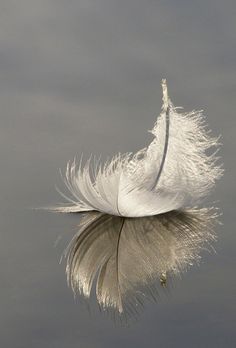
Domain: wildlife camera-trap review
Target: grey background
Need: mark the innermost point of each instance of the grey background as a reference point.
(84, 76)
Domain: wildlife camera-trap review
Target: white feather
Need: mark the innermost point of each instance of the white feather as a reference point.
(175, 171)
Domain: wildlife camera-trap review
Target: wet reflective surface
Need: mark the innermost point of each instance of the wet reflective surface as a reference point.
(84, 77)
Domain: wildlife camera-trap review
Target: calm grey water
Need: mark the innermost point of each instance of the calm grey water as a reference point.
(84, 76)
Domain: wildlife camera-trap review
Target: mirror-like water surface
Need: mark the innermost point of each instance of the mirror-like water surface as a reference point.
(83, 76)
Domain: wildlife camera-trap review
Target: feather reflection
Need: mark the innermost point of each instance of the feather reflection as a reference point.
(128, 258)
